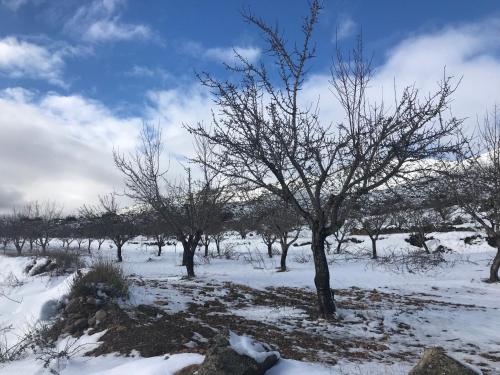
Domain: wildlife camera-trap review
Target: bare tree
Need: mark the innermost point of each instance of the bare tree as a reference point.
(278, 221)
(185, 205)
(374, 216)
(45, 216)
(264, 136)
(476, 183)
(423, 221)
(19, 225)
(155, 227)
(117, 226)
(268, 237)
(340, 233)
(90, 226)
(4, 232)
(217, 225)
(244, 220)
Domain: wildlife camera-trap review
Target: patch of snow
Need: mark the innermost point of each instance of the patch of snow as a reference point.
(109, 365)
(269, 314)
(245, 345)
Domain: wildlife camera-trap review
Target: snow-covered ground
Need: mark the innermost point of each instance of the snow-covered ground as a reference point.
(449, 306)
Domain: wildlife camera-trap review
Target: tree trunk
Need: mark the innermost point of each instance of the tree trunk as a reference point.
(119, 252)
(189, 250)
(284, 252)
(190, 265)
(326, 304)
(19, 249)
(495, 265)
(206, 250)
(339, 246)
(425, 247)
(374, 248)
(89, 246)
(270, 249)
(217, 245)
(159, 249)
(185, 255)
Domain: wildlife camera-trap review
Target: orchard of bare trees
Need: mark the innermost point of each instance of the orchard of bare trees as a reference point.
(269, 163)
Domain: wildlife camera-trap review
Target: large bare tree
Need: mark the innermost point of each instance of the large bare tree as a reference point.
(185, 205)
(266, 137)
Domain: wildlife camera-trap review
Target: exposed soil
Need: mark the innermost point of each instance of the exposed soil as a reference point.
(356, 334)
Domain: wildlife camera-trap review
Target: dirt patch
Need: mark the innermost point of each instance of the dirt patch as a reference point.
(285, 318)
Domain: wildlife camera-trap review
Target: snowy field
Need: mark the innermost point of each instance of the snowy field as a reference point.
(386, 314)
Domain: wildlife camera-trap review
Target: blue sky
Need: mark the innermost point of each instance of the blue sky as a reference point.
(78, 78)
(159, 44)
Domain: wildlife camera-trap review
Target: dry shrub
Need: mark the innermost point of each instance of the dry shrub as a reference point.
(104, 276)
(66, 259)
(303, 258)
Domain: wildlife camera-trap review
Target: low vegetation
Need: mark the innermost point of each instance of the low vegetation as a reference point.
(105, 279)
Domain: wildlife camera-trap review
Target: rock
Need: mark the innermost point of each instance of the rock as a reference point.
(472, 240)
(190, 370)
(435, 361)
(74, 316)
(73, 306)
(28, 267)
(100, 315)
(49, 309)
(44, 265)
(91, 301)
(91, 321)
(442, 249)
(80, 325)
(222, 359)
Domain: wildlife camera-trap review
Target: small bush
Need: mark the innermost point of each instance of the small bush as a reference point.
(35, 337)
(255, 258)
(201, 260)
(414, 261)
(105, 277)
(66, 259)
(227, 252)
(417, 239)
(303, 258)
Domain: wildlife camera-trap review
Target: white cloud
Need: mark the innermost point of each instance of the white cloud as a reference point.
(172, 109)
(22, 59)
(100, 21)
(222, 54)
(112, 29)
(468, 51)
(59, 147)
(14, 5)
(346, 28)
(229, 54)
(144, 71)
